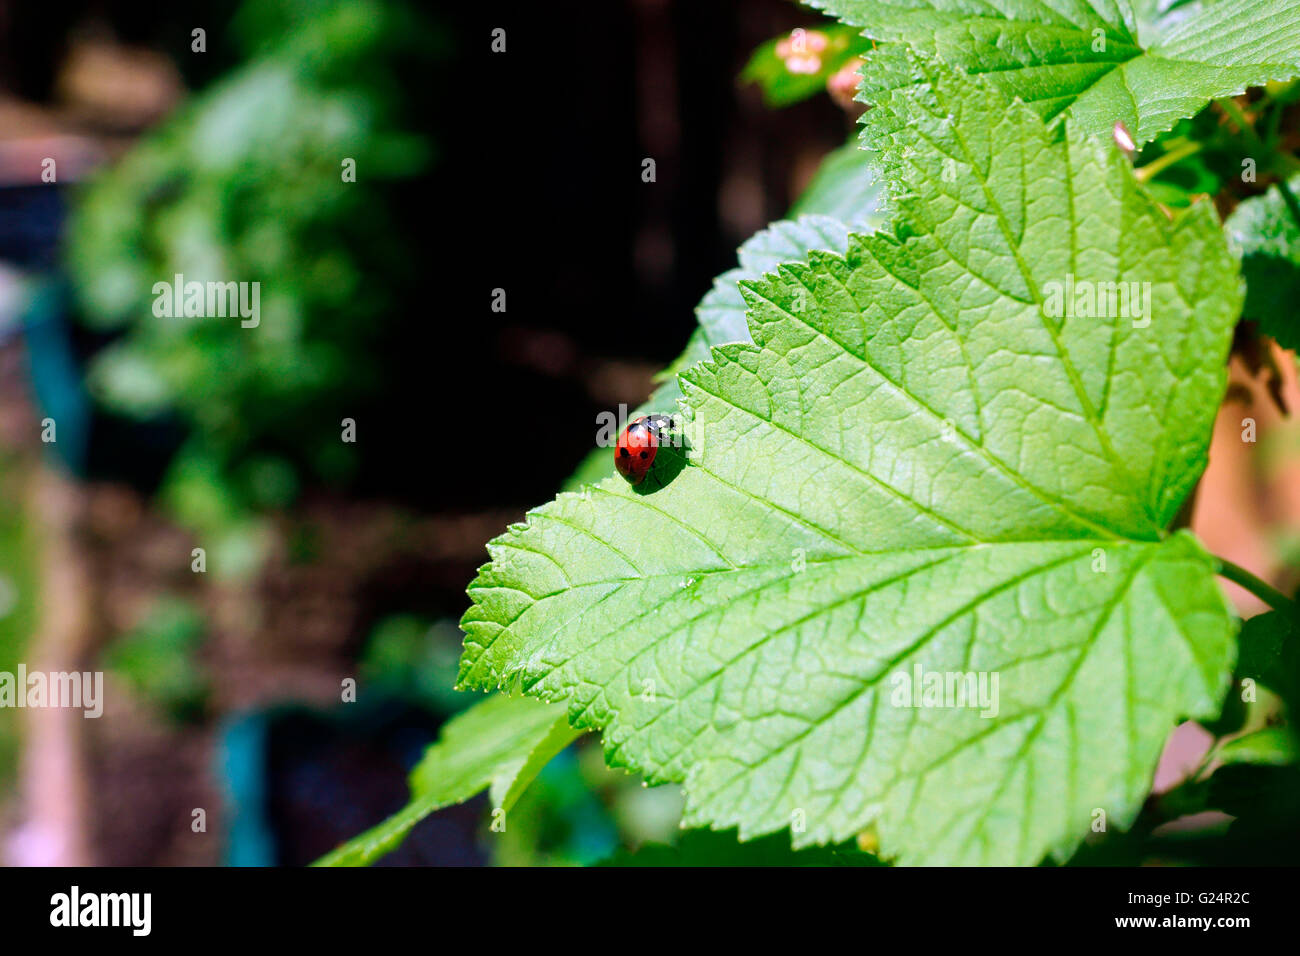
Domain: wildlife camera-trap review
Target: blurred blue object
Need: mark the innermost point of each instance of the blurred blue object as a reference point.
(298, 781)
(241, 759)
(55, 373)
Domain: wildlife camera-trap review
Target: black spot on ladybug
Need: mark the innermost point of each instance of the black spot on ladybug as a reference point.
(644, 454)
(623, 452)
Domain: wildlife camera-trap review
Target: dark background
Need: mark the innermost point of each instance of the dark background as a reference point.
(536, 188)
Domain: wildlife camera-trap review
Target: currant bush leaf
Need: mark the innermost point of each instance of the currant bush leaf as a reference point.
(914, 468)
(1268, 234)
(501, 743)
(1096, 61)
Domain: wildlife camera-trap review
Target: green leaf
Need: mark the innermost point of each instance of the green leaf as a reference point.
(501, 743)
(1095, 61)
(846, 194)
(722, 311)
(1268, 235)
(913, 466)
(788, 74)
(1270, 654)
(721, 314)
(711, 848)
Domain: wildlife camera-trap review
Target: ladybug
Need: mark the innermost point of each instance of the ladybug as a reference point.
(635, 451)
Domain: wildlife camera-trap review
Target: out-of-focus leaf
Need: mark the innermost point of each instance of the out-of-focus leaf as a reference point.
(846, 187)
(1270, 654)
(796, 65)
(500, 743)
(1268, 233)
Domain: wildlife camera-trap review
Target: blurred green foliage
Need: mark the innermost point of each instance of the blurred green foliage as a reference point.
(412, 658)
(18, 599)
(157, 659)
(246, 183)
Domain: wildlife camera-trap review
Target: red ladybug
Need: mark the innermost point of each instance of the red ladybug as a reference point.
(635, 451)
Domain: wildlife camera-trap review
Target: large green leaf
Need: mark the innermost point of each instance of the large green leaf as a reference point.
(501, 743)
(1096, 61)
(913, 466)
(721, 312)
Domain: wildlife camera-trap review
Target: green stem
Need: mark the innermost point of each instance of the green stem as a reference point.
(1261, 589)
(1158, 165)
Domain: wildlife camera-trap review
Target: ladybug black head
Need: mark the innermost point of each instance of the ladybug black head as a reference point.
(656, 423)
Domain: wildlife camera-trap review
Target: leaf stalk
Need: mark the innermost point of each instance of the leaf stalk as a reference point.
(1261, 589)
